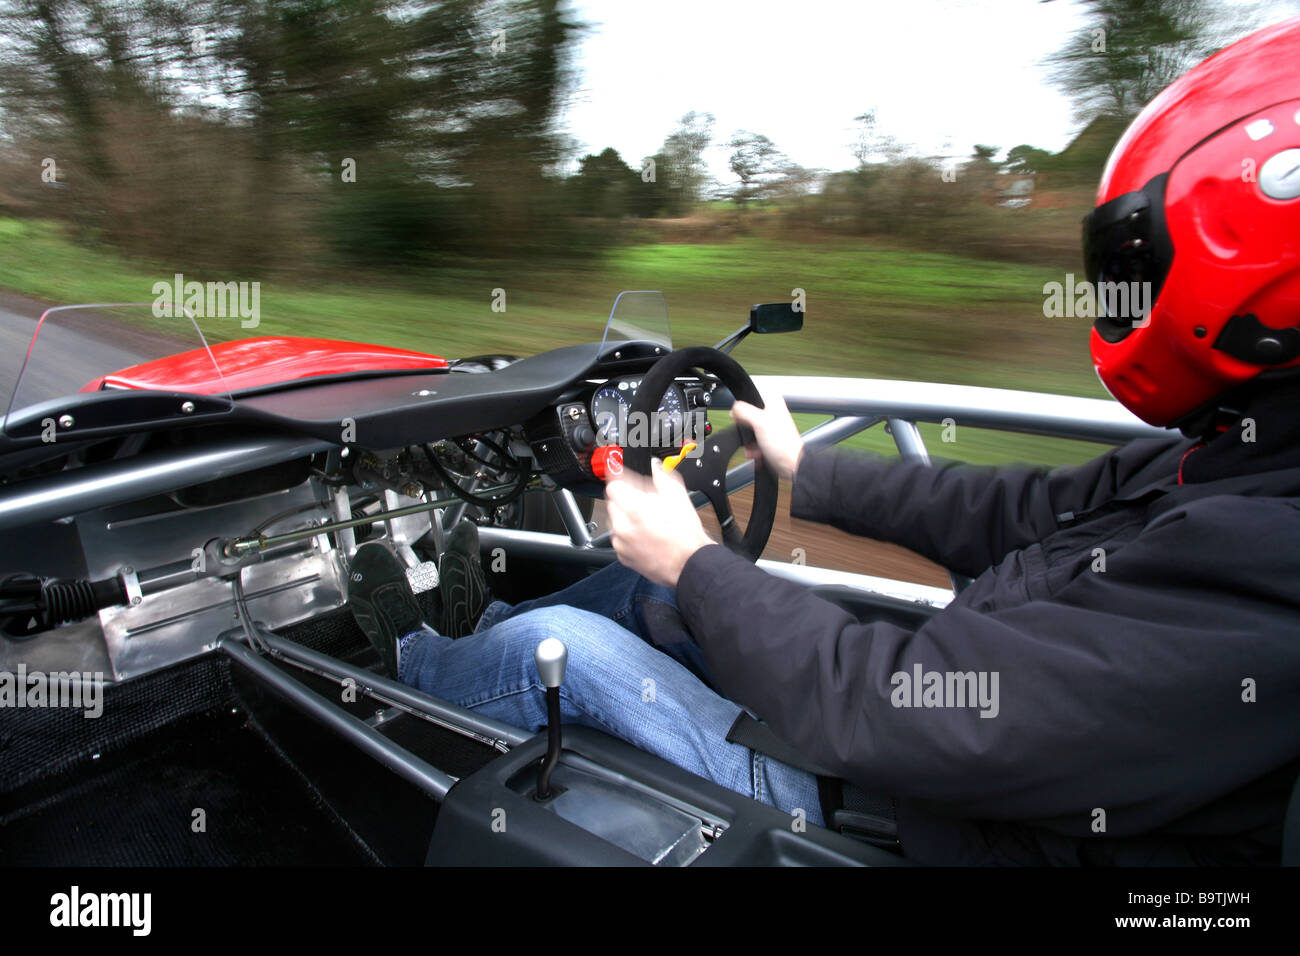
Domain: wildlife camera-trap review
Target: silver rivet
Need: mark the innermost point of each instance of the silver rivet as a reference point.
(618, 355)
(187, 407)
(65, 421)
(135, 600)
(716, 483)
(716, 448)
(699, 462)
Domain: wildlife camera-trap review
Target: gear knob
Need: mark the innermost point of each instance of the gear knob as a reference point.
(551, 657)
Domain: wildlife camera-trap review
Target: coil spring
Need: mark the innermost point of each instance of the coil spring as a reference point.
(67, 601)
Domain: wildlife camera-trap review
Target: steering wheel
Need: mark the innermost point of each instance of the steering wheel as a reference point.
(707, 473)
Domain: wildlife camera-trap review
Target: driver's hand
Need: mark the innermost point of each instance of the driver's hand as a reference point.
(654, 527)
(779, 443)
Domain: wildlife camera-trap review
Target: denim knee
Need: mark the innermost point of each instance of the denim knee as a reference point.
(594, 642)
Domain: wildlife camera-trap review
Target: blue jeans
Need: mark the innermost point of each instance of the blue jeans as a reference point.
(633, 672)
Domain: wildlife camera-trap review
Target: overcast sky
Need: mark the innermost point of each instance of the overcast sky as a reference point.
(942, 75)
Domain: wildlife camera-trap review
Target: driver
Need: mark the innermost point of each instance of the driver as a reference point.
(1121, 681)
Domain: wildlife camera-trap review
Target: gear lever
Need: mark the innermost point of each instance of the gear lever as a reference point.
(550, 657)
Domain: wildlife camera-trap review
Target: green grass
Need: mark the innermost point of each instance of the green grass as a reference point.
(872, 311)
(978, 446)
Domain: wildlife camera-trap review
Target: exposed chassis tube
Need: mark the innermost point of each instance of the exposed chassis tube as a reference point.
(364, 737)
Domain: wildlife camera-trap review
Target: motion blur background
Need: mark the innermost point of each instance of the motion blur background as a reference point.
(382, 166)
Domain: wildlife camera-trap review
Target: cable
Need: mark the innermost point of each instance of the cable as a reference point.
(241, 610)
(511, 463)
(472, 498)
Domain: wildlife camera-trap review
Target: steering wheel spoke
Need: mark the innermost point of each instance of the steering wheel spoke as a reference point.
(731, 535)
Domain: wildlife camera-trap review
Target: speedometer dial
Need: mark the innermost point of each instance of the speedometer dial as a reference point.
(608, 411)
(611, 407)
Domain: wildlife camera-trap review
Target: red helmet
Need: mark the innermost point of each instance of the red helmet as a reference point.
(1201, 198)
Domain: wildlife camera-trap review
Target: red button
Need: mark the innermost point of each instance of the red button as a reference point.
(607, 462)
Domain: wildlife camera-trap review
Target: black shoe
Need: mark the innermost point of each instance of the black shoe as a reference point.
(461, 582)
(382, 601)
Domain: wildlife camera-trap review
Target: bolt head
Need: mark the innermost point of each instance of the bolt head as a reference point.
(66, 421)
(1278, 178)
(187, 407)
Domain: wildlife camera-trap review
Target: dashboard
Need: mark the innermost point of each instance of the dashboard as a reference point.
(599, 413)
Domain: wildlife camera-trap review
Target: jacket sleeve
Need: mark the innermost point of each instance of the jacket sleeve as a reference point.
(964, 517)
(1110, 695)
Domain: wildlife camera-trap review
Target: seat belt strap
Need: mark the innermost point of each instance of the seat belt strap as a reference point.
(846, 808)
(751, 733)
(1291, 829)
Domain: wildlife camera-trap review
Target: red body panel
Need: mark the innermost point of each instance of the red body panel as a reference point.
(249, 363)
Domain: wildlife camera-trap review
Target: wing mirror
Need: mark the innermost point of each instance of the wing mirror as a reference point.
(775, 317)
(766, 319)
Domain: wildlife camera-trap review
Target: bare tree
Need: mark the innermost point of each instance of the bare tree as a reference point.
(756, 162)
(1129, 50)
(684, 152)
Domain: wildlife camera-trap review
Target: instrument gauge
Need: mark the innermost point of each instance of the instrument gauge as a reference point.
(609, 408)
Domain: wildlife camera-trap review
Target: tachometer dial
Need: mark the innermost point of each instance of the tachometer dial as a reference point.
(608, 410)
(672, 417)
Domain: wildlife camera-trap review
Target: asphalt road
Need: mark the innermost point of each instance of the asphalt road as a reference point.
(73, 349)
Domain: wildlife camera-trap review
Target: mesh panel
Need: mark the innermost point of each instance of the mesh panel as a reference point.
(335, 634)
(138, 807)
(40, 742)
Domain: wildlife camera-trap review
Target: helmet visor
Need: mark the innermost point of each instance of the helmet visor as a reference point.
(1127, 255)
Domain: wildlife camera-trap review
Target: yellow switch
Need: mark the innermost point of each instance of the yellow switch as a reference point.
(672, 461)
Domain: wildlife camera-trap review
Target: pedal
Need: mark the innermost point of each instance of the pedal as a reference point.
(421, 575)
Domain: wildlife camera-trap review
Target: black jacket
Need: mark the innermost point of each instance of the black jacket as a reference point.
(1141, 612)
